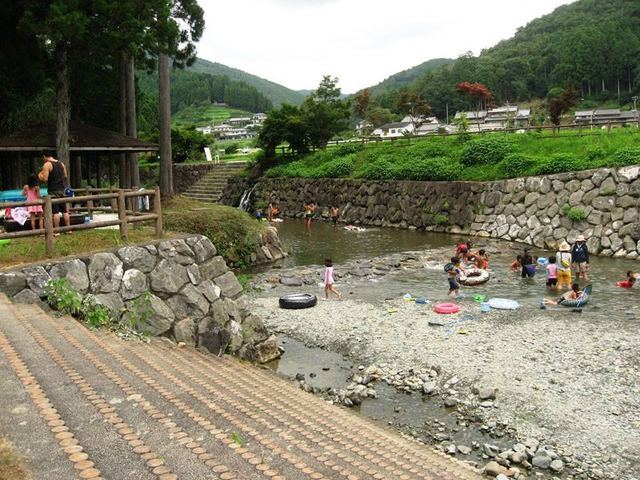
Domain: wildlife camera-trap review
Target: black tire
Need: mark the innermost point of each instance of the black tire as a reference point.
(298, 301)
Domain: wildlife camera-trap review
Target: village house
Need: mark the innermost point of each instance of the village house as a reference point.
(259, 118)
(239, 121)
(604, 116)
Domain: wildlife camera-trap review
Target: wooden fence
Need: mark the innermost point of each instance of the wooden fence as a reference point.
(118, 200)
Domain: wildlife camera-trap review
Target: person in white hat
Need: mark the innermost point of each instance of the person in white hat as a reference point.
(563, 261)
(580, 258)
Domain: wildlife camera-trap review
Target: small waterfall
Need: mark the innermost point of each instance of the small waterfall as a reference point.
(245, 201)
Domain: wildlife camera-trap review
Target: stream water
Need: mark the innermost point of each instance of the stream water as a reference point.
(423, 417)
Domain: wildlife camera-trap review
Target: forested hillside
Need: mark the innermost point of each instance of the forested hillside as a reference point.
(406, 77)
(276, 93)
(591, 44)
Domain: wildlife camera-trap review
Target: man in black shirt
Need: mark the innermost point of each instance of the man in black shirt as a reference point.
(54, 173)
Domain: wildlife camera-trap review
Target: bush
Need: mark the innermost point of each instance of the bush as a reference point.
(627, 156)
(382, 169)
(485, 150)
(441, 219)
(428, 169)
(231, 149)
(558, 163)
(343, 150)
(340, 167)
(516, 165)
(595, 153)
(575, 214)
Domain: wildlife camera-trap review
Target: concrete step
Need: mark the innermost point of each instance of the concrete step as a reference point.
(202, 416)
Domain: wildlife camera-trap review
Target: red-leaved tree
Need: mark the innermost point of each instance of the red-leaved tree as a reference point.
(478, 92)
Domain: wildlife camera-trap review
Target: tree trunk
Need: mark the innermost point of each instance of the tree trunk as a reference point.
(64, 106)
(76, 171)
(629, 79)
(132, 126)
(618, 89)
(166, 173)
(603, 89)
(589, 83)
(125, 174)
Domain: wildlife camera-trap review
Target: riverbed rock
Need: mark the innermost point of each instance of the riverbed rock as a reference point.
(557, 465)
(487, 394)
(105, 272)
(264, 352)
(493, 469)
(542, 461)
(75, 271)
(291, 281)
(26, 296)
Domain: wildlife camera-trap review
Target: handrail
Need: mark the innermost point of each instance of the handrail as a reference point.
(118, 198)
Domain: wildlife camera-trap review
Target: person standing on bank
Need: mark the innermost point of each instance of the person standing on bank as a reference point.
(54, 173)
(580, 258)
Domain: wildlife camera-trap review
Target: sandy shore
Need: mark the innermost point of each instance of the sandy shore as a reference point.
(561, 378)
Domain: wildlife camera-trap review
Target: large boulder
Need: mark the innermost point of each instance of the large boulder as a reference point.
(253, 330)
(105, 273)
(26, 296)
(210, 290)
(168, 277)
(215, 339)
(134, 284)
(264, 352)
(75, 271)
(137, 257)
(152, 316)
(12, 282)
(189, 303)
(37, 279)
(112, 301)
(229, 285)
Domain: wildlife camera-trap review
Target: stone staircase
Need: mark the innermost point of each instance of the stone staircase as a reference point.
(210, 187)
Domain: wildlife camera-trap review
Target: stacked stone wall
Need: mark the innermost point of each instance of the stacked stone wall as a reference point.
(602, 205)
(180, 288)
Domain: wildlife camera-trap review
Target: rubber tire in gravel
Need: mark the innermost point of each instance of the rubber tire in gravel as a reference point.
(298, 301)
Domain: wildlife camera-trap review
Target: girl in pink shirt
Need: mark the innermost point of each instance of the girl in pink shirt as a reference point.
(328, 280)
(552, 273)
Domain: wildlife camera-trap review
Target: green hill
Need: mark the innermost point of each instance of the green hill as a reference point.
(276, 93)
(406, 77)
(591, 44)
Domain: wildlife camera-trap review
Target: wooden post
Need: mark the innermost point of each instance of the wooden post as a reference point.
(157, 209)
(112, 171)
(98, 172)
(122, 216)
(90, 208)
(48, 226)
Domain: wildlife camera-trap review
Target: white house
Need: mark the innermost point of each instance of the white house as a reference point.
(259, 117)
(239, 120)
(205, 130)
(394, 130)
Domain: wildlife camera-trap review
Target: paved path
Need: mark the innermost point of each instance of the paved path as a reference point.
(80, 404)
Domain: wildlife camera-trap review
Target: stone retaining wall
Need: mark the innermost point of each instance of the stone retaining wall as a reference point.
(184, 175)
(532, 210)
(181, 286)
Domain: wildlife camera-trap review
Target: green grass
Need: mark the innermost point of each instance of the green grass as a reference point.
(484, 157)
(201, 115)
(235, 234)
(32, 249)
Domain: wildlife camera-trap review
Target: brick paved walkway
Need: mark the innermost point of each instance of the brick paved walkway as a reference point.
(81, 404)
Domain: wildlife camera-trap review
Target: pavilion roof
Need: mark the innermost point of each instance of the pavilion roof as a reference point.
(82, 138)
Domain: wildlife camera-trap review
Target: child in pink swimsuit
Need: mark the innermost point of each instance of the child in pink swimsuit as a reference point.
(32, 191)
(328, 280)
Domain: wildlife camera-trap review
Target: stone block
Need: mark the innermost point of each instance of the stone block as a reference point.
(12, 283)
(75, 271)
(213, 268)
(168, 277)
(26, 296)
(189, 303)
(177, 251)
(37, 279)
(139, 258)
(158, 317)
(105, 273)
(264, 352)
(229, 285)
(202, 248)
(112, 301)
(134, 284)
(185, 331)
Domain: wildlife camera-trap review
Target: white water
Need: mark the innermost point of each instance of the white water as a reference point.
(246, 199)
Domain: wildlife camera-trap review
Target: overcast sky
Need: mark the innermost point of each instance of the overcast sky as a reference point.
(295, 42)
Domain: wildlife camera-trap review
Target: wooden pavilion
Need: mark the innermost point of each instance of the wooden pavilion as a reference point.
(97, 155)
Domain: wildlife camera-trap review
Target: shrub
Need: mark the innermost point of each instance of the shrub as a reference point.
(62, 297)
(516, 165)
(426, 150)
(558, 163)
(340, 167)
(428, 169)
(595, 153)
(441, 219)
(230, 149)
(485, 150)
(382, 169)
(575, 214)
(342, 150)
(627, 156)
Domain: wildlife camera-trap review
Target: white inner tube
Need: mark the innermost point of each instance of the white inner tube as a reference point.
(475, 276)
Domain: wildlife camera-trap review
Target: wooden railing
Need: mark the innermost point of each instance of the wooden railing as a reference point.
(118, 200)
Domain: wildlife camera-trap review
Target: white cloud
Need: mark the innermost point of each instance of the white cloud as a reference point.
(295, 42)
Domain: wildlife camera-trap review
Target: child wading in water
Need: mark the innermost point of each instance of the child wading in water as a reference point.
(328, 280)
(552, 273)
(32, 191)
(453, 269)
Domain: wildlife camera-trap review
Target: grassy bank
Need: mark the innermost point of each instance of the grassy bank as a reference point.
(32, 249)
(234, 233)
(485, 157)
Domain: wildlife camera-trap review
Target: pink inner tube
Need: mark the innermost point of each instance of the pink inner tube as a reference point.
(446, 308)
